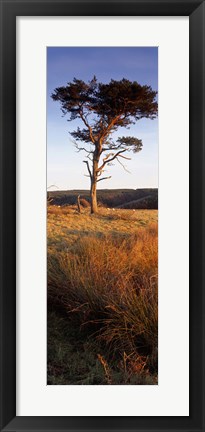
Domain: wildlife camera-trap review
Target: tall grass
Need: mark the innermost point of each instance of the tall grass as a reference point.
(107, 286)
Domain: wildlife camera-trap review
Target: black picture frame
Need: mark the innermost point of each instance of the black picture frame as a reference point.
(195, 9)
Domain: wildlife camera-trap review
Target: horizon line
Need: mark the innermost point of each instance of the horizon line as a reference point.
(88, 190)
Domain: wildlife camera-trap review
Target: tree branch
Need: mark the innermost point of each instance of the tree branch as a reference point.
(106, 160)
(124, 167)
(81, 148)
(88, 167)
(107, 129)
(124, 157)
(111, 147)
(104, 178)
(87, 125)
(88, 156)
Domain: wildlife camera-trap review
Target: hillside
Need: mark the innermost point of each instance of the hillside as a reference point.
(115, 198)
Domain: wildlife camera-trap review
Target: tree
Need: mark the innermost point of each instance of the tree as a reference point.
(103, 108)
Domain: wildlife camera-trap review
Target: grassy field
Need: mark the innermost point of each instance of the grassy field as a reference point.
(102, 296)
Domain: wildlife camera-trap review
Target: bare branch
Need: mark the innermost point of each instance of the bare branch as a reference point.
(104, 178)
(107, 157)
(124, 167)
(88, 156)
(81, 148)
(99, 173)
(106, 160)
(88, 167)
(124, 157)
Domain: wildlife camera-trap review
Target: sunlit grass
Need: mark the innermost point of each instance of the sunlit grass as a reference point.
(102, 276)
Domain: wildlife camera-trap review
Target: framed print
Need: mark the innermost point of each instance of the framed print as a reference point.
(102, 290)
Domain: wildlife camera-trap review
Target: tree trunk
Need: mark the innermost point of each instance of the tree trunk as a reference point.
(93, 196)
(93, 190)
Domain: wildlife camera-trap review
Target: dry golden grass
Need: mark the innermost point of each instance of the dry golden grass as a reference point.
(65, 224)
(102, 270)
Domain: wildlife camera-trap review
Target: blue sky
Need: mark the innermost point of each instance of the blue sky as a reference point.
(65, 167)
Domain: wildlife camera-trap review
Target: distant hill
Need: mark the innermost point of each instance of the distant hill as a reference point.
(115, 198)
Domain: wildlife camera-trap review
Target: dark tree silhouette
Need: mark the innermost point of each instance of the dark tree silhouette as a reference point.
(103, 108)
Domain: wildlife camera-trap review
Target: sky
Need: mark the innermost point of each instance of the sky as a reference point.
(65, 167)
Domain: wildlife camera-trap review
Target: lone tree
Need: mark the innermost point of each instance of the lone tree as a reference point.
(103, 108)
